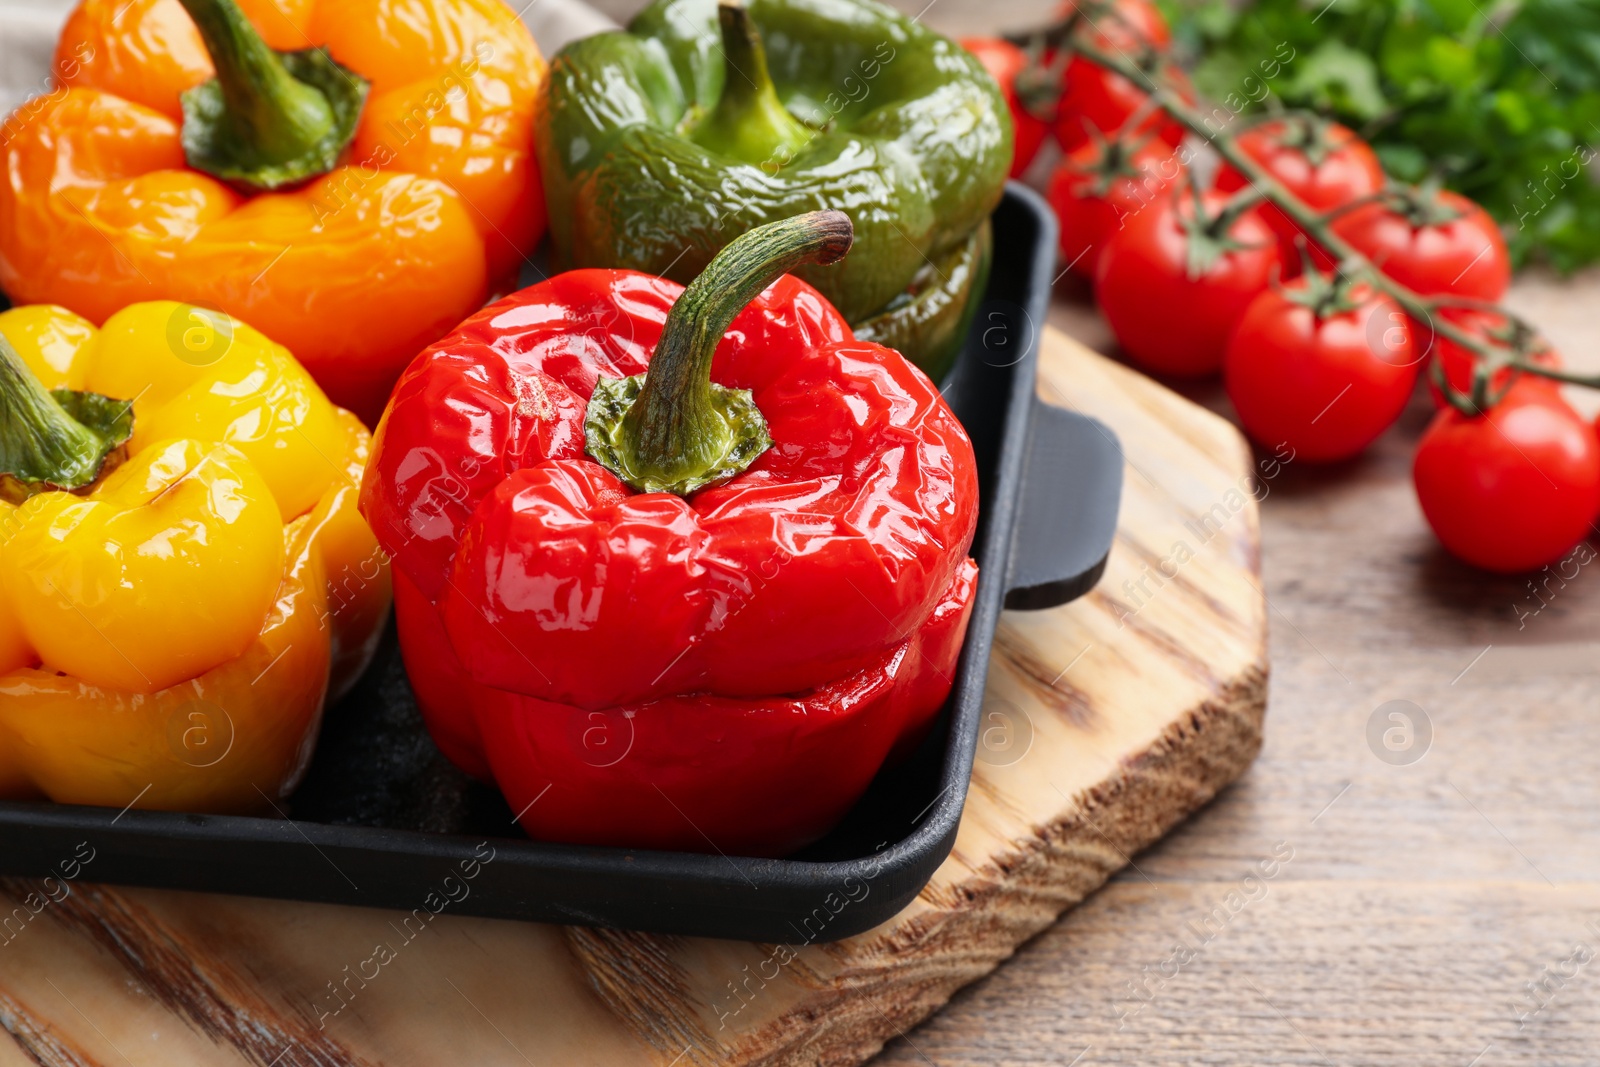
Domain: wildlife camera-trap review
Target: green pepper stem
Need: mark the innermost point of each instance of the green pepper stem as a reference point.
(271, 114)
(749, 123)
(673, 430)
(39, 442)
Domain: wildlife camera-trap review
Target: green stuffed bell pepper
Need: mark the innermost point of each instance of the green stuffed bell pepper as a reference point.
(662, 143)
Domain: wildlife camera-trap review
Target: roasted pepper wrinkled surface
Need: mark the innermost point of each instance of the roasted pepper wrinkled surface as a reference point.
(171, 628)
(661, 144)
(733, 664)
(355, 269)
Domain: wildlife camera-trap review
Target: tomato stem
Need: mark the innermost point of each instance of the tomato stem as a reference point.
(1332, 214)
(1487, 356)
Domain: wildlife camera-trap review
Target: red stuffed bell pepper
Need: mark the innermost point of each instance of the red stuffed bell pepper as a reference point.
(694, 608)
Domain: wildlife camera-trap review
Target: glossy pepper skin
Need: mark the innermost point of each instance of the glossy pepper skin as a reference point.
(654, 157)
(741, 660)
(436, 201)
(171, 631)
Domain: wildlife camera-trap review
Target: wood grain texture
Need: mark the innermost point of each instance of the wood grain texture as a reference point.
(1106, 723)
(1422, 901)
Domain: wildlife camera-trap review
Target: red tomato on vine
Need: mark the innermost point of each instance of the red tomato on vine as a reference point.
(1125, 25)
(1094, 98)
(1596, 428)
(1097, 188)
(1174, 281)
(1433, 241)
(1321, 366)
(1514, 489)
(1457, 363)
(1322, 163)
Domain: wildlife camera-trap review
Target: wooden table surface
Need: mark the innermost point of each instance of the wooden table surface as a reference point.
(1442, 912)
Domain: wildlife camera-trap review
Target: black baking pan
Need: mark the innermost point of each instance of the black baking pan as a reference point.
(382, 820)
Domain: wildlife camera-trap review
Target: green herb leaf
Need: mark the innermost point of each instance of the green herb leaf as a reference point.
(1502, 101)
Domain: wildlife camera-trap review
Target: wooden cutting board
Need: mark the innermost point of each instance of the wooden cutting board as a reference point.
(1108, 721)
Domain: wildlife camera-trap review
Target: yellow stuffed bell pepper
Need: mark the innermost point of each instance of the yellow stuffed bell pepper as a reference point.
(184, 577)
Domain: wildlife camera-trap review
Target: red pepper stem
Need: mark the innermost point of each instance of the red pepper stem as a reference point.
(673, 430)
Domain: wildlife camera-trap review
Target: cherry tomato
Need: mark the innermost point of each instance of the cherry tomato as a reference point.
(1098, 187)
(1122, 25)
(1437, 243)
(1322, 163)
(1457, 362)
(1093, 96)
(1005, 61)
(1514, 489)
(1173, 312)
(1319, 368)
(1596, 429)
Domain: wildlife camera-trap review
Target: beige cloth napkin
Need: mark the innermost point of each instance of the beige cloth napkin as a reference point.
(28, 31)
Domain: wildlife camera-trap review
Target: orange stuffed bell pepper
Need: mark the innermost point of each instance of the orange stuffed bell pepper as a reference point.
(184, 576)
(353, 195)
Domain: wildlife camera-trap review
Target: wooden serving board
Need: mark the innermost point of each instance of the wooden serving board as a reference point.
(1111, 719)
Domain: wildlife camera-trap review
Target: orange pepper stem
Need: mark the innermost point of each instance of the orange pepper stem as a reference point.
(672, 429)
(268, 120)
(43, 443)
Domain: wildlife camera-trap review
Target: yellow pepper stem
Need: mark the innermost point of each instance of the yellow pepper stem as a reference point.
(53, 440)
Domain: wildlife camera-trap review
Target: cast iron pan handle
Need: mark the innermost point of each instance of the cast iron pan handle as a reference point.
(1071, 489)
